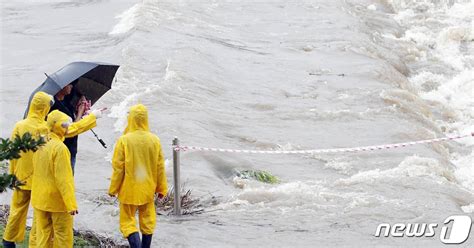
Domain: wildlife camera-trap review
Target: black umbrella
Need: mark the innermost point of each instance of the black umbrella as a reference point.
(89, 79)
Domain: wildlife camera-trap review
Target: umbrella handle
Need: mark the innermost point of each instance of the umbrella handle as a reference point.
(99, 139)
(103, 143)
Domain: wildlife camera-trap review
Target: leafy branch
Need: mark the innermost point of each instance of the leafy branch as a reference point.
(11, 149)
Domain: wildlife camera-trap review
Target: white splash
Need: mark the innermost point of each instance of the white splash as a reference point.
(127, 20)
(413, 166)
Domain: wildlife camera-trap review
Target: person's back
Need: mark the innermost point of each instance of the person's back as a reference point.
(141, 172)
(34, 124)
(22, 168)
(53, 178)
(52, 193)
(138, 173)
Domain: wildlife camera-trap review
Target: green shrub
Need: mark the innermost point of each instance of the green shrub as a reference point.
(259, 175)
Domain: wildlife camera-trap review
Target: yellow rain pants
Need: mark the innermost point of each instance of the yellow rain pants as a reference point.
(57, 225)
(15, 230)
(146, 218)
(32, 242)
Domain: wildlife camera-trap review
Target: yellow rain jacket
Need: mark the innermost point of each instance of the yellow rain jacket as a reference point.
(23, 168)
(35, 124)
(53, 182)
(85, 124)
(138, 162)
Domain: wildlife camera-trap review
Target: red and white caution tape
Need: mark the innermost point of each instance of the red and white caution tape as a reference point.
(334, 150)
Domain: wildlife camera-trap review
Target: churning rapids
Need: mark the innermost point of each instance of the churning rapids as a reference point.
(263, 75)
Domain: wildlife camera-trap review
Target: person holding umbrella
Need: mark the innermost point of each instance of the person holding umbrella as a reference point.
(63, 103)
(71, 85)
(138, 175)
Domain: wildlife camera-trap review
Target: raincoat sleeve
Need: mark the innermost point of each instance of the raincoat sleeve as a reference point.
(162, 184)
(81, 126)
(118, 166)
(63, 178)
(13, 161)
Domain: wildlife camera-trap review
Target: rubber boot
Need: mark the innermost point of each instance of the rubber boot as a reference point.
(8, 244)
(146, 240)
(134, 240)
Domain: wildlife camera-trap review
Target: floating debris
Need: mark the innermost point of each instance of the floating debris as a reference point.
(190, 205)
(259, 175)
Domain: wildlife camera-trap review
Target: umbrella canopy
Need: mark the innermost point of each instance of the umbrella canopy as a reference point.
(90, 79)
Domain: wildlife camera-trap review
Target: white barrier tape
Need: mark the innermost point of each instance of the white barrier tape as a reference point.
(334, 150)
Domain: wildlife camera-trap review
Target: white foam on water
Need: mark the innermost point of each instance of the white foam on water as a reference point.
(448, 42)
(441, 34)
(369, 201)
(372, 7)
(426, 81)
(120, 110)
(342, 165)
(457, 93)
(128, 20)
(299, 195)
(286, 147)
(413, 166)
(293, 193)
(468, 208)
(465, 170)
(343, 114)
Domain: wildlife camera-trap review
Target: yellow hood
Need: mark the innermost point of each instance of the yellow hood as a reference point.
(55, 122)
(39, 106)
(137, 119)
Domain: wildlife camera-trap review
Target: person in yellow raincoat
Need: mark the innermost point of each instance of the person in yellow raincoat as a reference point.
(52, 189)
(138, 174)
(22, 168)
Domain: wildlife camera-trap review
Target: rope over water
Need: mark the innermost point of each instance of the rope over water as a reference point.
(332, 150)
